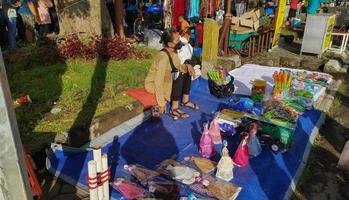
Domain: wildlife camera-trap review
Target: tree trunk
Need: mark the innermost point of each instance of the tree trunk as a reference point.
(225, 30)
(168, 13)
(119, 12)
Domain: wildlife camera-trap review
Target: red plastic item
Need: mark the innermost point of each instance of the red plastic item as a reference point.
(24, 99)
(33, 180)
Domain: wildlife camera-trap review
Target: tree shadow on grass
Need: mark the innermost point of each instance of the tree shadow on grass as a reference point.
(79, 133)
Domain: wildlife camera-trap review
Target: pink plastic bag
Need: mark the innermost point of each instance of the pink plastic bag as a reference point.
(241, 157)
(343, 162)
(215, 132)
(129, 190)
(207, 148)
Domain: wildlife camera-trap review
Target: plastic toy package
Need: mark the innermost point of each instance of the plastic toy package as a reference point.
(314, 78)
(204, 165)
(141, 173)
(178, 171)
(278, 138)
(129, 190)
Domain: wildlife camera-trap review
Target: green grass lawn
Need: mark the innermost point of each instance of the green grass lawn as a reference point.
(70, 85)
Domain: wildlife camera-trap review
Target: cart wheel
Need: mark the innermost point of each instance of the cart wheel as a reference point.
(274, 147)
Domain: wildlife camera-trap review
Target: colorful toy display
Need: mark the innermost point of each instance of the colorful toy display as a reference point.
(260, 121)
(225, 165)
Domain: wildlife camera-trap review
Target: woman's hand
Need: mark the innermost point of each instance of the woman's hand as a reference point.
(191, 70)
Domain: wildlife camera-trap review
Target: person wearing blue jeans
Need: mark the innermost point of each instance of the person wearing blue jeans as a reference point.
(12, 32)
(10, 14)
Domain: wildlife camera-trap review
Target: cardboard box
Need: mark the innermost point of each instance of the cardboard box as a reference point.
(259, 12)
(235, 20)
(246, 23)
(248, 15)
(256, 25)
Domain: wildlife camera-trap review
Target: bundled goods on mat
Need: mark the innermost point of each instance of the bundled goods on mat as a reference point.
(98, 176)
(220, 83)
(170, 176)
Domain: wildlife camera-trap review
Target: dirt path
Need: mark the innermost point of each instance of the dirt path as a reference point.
(321, 180)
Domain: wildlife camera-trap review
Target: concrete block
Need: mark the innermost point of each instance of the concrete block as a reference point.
(292, 62)
(333, 66)
(344, 69)
(312, 64)
(62, 138)
(205, 68)
(229, 63)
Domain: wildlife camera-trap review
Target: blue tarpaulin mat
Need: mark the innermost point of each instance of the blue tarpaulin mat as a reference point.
(269, 175)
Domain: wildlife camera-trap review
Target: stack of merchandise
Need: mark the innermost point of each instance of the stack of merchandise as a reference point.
(307, 84)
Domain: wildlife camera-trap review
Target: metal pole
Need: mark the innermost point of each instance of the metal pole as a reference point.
(14, 184)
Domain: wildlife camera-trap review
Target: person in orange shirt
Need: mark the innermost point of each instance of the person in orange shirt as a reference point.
(185, 32)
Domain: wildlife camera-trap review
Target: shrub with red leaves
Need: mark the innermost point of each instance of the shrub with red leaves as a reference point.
(114, 48)
(72, 48)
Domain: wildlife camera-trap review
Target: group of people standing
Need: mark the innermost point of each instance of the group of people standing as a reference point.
(26, 21)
